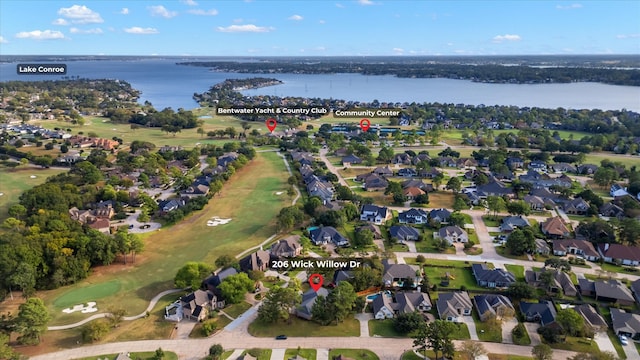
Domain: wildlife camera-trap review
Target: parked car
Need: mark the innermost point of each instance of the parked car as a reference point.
(281, 337)
(623, 340)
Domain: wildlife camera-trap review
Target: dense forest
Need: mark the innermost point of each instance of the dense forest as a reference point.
(491, 73)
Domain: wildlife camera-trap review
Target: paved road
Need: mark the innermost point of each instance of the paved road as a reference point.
(331, 167)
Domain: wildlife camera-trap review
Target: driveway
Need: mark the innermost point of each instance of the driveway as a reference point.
(631, 350)
(532, 329)
(604, 343)
(364, 318)
(471, 325)
(277, 354)
(507, 326)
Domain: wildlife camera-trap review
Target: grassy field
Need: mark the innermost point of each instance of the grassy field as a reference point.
(384, 328)
(14, 181)
(459, 275)
(252, 209)
(309, 354)
(135, 355)
(301, 327)
(357, 354)
(486, 332)
(576, 344)
(236, 310)
(517, 270)
(260, 354)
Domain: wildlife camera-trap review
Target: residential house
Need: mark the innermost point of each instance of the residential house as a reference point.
(383, 171)
(407, 172)
(538, 166)
(375, 229)
(412, 193)
(620, 254)
(515, 163)
(385, 306)
(611, 210)
(212, 282)
(538, 203)
(375, 182)
(563, 168)
(287, 247)
(542, 312)
(440, 215)
(257, 261)
(560, 282)
(169, 205)
(617, 190)
(320, 188)
(453, 306)
(592, 319)
(194, 306)
(308, 299)
(542, 247)
(341, 275)
(326, 234)
(493, 305)
(350, 160)
(429, 173)
(304, 158)
(608, 291)
(400, 275)
(401, 159)
(576, 206)
(413, 216)
(453, 234)
(420, 157)
(587, 169)
(404, 233)
(511, 223)
(492, 278)
(624, 323)
(466, 162)
(447, 161)
(100, 224)
(582, 248)
(375, 214)
(494, 188)
(555, 228)
(415, 183)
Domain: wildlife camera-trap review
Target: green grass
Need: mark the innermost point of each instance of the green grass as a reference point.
(252, 187)
(220, 320)
(83, 294)
(486, 332)
(226, 354)
(301, 327)
(522, 340)
(576, 344)
(14, 181)
(461, 333)
(617, 345)
(619, 269)
(461, 273)
(384, 328)
(260, 354)
(504, 252)
(309, 354)
(428, 245)
(168, 355)
(490, 221)
(517, 270)
(358, 354)
(236, 310)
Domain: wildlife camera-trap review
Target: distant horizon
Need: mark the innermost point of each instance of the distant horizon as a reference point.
(320, 28)
(328, 56)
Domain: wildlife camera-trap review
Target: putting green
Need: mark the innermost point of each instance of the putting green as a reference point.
(84, 294)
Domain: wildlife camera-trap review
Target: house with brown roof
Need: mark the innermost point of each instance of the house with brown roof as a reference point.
(620, 254)
(582, 248)
(257, 261)
(101, 225)
(287, 247)
(412, 192)
(576, 206)
(560, 282)
(555, 228)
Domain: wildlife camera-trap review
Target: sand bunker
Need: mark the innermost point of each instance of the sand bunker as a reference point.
(215, 221)
(280, 193)
(33, 176)
(89, 308)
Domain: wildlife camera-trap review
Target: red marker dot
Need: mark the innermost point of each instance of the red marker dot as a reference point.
(315, 281)
(271, 124)
(365, 124)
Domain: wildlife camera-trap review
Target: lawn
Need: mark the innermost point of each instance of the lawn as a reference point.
(249, 199)
(384, 328)
(301, 327)
(616, 344)
(357, 354)
(220, 320)
(428, 245)
(168, 355)
(14, 181)
(571, 343)
(309, 354)
(619, 269)
(260, 354)
(517, 270)
(491, 221)
(441, 199)
(486, 332)
(461, 333)
(459, 275)
(504, 252)
(238, 309)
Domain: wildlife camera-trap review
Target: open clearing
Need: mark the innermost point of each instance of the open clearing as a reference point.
(14, 181)
(248, 198)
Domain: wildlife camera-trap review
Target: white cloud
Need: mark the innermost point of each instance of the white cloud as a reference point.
(321, 22)
(398, 50)
(628, 36)
(140, 30)
(244, 28)
(159, 10)
(211, 12)
(74, 30)
(189, 2)
(80, 15)
(295, 17)
(124, 11)
(506, 37)
(365, 2)
(569, 7)
(3, 40)
(40, 35)
(60, 21)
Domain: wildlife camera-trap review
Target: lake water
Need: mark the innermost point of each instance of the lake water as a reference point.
(165, 84)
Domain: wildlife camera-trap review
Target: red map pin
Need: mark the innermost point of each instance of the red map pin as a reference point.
(316, 280)
(365, 124)
(271, 124)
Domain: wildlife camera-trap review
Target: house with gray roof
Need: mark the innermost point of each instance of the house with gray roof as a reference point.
(413, 216)
(607, 291)
(591, 317)
(492, 278)
(404, 233)
(560, 282)
(308, 299)
(257, 261)
(635, 290)
(287, 247)
(624, 323)
(453, 306)
(399, 275)
(386, 306)
(320, 188)
(511, 223)
(453, 234)
(494, 188)
(327, 234)
(489, 305)
(542, 312)
(351, 159)
(440, 215)
(375, 214)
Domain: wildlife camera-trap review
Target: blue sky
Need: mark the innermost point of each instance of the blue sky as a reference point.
(318, 27)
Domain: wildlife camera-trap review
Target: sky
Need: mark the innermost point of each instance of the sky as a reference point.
(318, 27)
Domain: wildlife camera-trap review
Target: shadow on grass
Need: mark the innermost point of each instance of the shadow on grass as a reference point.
(149, 291)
